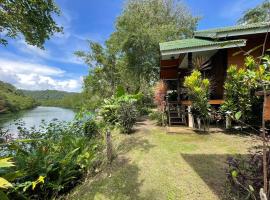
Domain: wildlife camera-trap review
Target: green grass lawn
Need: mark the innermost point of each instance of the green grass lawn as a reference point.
(154, 165)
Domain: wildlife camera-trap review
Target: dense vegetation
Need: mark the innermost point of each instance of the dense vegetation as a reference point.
(56, 98)
(49, 163)
(130, 56)
(13, 100)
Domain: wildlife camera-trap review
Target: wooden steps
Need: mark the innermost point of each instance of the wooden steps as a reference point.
(176, 114)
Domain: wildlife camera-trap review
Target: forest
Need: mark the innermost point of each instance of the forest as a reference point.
(13, 100)
(55, 98)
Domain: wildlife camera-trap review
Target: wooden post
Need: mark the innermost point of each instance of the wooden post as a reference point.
(190, 118)
(109, 147)
(228, 122)
(190, 64)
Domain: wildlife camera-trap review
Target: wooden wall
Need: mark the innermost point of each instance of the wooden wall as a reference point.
(267, 110)
(252, 42)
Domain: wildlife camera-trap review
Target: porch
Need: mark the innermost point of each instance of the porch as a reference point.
(178, 59)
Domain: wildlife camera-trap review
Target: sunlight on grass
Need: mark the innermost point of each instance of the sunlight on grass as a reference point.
(154, 165)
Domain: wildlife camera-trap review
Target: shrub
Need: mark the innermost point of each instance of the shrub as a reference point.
(121, 111)
(245, 176)
(198, 92)
(160, 91)
(157, 116)
(50, 161)
(126, 114)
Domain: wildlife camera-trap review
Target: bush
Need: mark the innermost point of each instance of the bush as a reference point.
(50, 161)
(198, 92)
(245, 176)
(121, 112)
(157, 116)
(126, 114)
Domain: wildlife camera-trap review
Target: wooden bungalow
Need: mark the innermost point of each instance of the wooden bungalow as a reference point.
(211, 51)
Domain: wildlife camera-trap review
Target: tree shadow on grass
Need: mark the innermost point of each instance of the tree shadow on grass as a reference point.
(121, 181)
(130, 143)
(211, 168)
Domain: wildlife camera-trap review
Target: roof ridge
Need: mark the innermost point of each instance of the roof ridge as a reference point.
(259, 24)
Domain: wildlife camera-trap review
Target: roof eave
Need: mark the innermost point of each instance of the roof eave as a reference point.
(203, 48)
(233, 33)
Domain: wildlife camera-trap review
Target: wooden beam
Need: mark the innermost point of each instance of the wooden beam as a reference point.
(211, 102)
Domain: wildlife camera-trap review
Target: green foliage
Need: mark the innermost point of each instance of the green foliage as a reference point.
(245, 176)
(32, 19)
(237, 92)
(158, 116)
(121, 111)
(13, 100)
(198, 92)
(51, 161)
(240, 85)
(103, 78)
(256, 15)
(140, 28)
(130, 57)
(56, 98)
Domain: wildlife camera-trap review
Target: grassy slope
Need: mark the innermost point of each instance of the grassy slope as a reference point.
(154, 165)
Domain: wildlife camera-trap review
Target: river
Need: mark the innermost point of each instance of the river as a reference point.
(34, 117)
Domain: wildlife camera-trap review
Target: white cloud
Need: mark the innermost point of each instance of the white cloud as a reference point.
(35, 76)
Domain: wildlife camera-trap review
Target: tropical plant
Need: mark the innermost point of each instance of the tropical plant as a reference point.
(240, 86)
(158, 117)
(160, 92)
(198, 92)
(245, 176)
(52, 160)
(121, 111)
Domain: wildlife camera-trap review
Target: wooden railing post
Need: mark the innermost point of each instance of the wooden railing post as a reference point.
(109, 147)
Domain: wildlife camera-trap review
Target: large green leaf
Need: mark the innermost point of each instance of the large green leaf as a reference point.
(6, 162)
(238, 115)
(4, 183)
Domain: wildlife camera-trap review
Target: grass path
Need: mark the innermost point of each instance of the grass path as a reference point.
(154, 165)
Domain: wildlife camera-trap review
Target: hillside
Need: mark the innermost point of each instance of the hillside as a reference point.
(12, 99)
(55, 98)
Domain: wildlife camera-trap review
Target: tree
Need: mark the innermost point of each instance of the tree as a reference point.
(103, 79)
(31, 18)
(260, 13)
(140, 28)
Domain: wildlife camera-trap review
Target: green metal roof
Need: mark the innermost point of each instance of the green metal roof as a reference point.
(194, 44)
(234, 30)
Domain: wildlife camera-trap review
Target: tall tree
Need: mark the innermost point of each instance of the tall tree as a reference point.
(130, 57)
(103, 73)
(140, 28)
(260, 13)
(31, 18)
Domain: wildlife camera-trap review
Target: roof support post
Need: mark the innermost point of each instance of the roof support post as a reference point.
(190, 65)
(178, 87)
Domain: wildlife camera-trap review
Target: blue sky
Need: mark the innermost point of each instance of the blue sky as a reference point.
(56, 67)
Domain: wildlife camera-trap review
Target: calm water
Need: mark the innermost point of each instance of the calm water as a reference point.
(34, 117)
